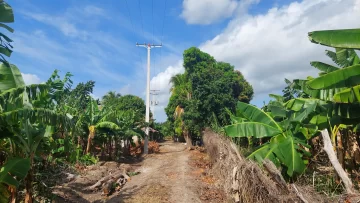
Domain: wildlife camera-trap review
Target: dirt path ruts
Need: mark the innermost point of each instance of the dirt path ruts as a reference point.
(164, 177)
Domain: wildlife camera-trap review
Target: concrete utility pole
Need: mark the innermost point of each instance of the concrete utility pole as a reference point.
(154, 102)
(147, 115)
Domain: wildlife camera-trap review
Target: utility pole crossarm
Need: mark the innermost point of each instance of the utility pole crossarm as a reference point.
(149, 45)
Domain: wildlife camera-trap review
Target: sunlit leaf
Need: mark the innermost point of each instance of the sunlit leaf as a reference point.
(251, 129)
(349, 38)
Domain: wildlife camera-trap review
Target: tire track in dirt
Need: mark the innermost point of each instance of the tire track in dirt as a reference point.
(163, 177)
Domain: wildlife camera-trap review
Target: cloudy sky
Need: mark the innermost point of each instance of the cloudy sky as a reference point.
(95, 40)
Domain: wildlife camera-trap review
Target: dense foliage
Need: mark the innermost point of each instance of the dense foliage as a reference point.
(51, 124)
(203, 93)
(290, 123)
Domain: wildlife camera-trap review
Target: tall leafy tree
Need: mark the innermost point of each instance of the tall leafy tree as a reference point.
(205, 90)
(132, 103)
(80, 96)
(243, 88)
(110, 99)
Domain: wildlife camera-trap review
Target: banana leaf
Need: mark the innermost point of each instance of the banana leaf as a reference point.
(346, 57)
(4, 193)
(298, 104)
(277, 97)
(323, 66)
(345, 110)
(6, 13)
(255, 114)
(342, 78)
(277, 111)
(16, 167)
(322, 94)
(108, 125)
(266, 151)
(283, 150)
(302, 115)
(349, 95)
(251, 129)
(349, 38)
(287, 152)
(10, 77)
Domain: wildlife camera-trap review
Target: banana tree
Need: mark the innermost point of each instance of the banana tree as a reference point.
(128, 127)
(286, 147)
(94, 118)
(25, 118)
(14, 170)
(345, 81)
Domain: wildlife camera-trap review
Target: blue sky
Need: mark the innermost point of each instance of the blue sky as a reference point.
(95, 40)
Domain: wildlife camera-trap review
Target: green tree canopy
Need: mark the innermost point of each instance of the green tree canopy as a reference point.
(207, 88)
(80, 96)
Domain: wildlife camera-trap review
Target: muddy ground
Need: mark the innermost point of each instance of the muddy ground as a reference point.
(173, 175)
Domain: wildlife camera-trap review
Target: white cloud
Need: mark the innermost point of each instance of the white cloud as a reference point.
(67, 22)
(37, 46)
(93, 10)
(30, 78)
(61, 23)
(270, 47)
(210, 11)
(161, 82)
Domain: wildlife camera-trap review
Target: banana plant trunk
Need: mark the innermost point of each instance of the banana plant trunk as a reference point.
(88, 144)
(91, 136)
(13, 194)
(340, 149)
(29, 180)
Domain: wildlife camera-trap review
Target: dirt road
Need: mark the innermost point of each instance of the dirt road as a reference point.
(164, 177)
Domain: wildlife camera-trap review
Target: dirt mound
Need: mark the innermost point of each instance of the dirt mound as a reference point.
(153, 147)
(245, 181)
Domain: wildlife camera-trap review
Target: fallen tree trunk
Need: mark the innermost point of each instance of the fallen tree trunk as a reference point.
(329, 149)
(107, 182)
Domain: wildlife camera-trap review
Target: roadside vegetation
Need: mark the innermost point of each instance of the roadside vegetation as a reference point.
(292, 129)
(310, 133)
(55, 127)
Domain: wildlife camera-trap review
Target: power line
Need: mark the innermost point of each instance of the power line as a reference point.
(142, 27)
(162, 30)
(153, 38)
(133, 29)
(127, 7)
(163, 25)
(152, 14)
